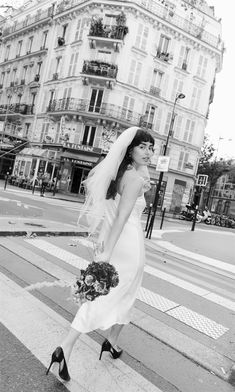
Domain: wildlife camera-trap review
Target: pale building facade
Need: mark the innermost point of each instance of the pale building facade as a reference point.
(105, 68)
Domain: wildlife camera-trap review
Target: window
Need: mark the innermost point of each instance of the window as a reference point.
(14, 75)
(24, 73)
(202, 66)
(163, 46)
(79, 30)
(195, 100)
(142, 37)
(7, 53)
(2, 78)
(44, 39)
(73, 64)
(58, 63)
(110, 20)
(96, 100)
(89, 135)
(183, 58)
(189, 130)
(148, 118)
(64, 27)
(18, 49)
(26, 132)
(104, 55)
(30, 43)
(177, 89)
(127, 107)
(157, 79)
(183, 159)
(134, 72)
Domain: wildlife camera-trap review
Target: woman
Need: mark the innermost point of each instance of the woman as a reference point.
(113, 209)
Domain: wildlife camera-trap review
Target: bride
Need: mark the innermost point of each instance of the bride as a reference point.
(113, 208)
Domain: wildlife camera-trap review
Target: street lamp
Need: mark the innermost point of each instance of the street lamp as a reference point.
(149, 226)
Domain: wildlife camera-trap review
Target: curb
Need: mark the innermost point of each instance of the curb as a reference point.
(205, 357)
(41, 233)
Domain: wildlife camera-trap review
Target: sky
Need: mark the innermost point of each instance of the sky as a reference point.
(220, 126)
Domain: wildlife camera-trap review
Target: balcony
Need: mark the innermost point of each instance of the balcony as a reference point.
(164, 56)
(100, 72)
(144, 123)
(16, 108)
(105, 35)
(55, 76)
(104, 111)
(29, 21)
(155, 91)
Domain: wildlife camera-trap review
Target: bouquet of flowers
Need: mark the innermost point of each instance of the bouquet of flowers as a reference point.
(97, 279)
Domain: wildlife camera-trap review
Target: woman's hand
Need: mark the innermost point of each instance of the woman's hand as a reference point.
(103, 256)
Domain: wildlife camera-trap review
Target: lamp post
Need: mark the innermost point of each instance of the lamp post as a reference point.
(149, 228)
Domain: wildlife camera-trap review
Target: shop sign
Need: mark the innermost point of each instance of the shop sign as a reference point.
(82, 147)
(163, 163)
(79, 162)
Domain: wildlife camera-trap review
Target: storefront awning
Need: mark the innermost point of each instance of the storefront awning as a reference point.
(38, 152)
(79, 157)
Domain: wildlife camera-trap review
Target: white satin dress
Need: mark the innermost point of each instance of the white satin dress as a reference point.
(128, 257)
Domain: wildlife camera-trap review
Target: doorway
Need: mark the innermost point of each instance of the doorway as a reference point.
(76, 179)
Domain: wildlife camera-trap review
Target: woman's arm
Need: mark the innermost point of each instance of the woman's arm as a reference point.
(130, 192)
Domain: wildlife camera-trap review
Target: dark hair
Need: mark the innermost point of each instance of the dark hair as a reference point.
(140, 137)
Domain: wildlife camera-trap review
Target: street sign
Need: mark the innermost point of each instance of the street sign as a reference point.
(163, 163)
(202, 179)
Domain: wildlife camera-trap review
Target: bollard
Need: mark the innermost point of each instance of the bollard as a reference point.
(6, 179)
(34, 184)
(194, 219)
(148, 217)
(163, 215)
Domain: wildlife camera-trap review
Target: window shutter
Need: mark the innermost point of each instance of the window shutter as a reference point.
(157, 126)
(148, 81)
(199, 67)
(137, 74)
(144, 38)
(71, 64)
(173, 94)
(190, 137)
(186, 131)
(139, 35)
(131, 71)
(199, 93)
(164, 89)
(191, 57)
(75, 63)
(181, 56)
(177, 127)
(77, 30)
(180, 161)
(205, 62)
(167, 125)
(194, 93)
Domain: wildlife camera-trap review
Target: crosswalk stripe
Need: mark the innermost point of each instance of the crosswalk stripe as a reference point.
(153, 299)
(40, 329)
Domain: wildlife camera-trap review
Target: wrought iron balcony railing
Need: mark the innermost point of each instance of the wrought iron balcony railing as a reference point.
(28, 21)
(155, 91)
(107, 110)
(99, 68)
(156, 8)
(16, 108)
(104, 31)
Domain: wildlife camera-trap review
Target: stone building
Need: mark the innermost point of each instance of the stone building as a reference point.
(80, 72)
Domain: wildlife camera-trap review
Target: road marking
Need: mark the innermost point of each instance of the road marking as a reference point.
(203, 259)
(198, 322)
(208, 295)
(150, 298)
(41, 329)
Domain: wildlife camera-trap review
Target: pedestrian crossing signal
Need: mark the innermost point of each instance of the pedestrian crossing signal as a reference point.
(202, 179)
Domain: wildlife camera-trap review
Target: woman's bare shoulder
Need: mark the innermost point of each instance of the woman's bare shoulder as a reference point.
(129, 178)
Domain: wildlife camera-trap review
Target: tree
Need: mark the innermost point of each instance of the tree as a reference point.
(209, 165)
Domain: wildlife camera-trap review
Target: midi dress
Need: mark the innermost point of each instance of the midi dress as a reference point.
(128, 258)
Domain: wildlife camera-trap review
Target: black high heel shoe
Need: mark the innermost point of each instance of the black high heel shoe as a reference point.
(106, 346)
(58, 356)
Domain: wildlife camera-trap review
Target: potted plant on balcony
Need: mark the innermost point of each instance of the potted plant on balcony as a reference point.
(97, 27)
(121, 29)
(36, 78)
(61, 41)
